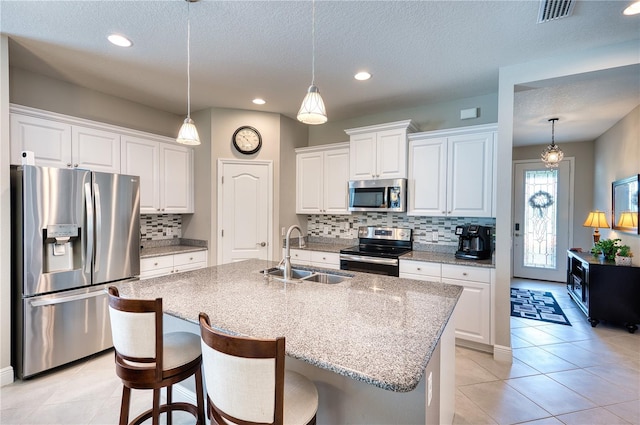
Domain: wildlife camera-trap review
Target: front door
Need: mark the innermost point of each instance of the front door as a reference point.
(244, 210)
(542, 220)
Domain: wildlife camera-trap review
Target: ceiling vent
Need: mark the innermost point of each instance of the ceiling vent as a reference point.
(555, 9)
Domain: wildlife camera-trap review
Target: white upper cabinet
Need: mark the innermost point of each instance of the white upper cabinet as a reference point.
(451, 172)
(322, 175)
(166, 174)
(96, 150)
(63, 145)
(379, 151)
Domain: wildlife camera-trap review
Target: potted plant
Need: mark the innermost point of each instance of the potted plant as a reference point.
(623, 256)
(607, 247)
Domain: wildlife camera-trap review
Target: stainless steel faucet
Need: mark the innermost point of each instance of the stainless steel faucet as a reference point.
(287, 251)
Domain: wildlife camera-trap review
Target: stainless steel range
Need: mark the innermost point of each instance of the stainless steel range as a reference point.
(378, 250)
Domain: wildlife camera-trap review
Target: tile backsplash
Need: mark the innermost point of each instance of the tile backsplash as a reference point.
(154, 227)
(424, 228)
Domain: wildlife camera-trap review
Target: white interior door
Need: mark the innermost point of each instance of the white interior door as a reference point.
(543, 219)
(244, 210)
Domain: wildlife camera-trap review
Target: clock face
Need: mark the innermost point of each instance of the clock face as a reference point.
(247, 140)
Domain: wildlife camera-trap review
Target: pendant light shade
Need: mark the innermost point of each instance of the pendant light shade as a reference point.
(552, 155)
(188, 134)
(312, 110)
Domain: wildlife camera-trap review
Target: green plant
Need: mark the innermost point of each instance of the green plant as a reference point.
(608, 247)
(624, 251)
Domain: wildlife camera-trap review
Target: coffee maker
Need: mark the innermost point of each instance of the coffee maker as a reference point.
(474, 242)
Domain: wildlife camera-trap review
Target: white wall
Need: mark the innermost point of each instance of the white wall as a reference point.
(602, 58)
(436, 116)
(617, 154)
(6, 371)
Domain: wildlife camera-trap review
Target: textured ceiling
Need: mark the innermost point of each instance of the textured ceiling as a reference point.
(420, 52)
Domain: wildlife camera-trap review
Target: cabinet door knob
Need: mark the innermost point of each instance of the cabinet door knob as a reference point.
(163, 209)
(464, 273)
(158, 209)
(418, 269)
(69, 164)
(155, 264)
(190, 258)
(75, 165)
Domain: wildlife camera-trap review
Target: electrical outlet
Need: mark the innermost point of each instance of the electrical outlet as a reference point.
(283, 232)
(168, 231)
(429, 389)
(434, 236)
(327, 229)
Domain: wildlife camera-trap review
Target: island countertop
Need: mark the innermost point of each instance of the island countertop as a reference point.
(380, 330)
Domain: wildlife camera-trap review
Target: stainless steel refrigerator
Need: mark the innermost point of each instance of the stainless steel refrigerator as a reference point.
(73, 233)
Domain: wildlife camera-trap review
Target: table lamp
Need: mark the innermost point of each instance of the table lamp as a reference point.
(596, 219)
(628, 219)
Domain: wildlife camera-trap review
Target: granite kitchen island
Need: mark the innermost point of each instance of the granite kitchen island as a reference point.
(372, 344)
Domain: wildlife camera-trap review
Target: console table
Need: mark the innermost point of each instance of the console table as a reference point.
(603, 290)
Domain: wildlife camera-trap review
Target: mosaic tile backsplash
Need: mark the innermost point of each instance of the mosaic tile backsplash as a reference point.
(426, 230)
(154, 227)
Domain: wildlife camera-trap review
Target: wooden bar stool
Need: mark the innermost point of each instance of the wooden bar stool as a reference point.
(247, 384)
(148, 359)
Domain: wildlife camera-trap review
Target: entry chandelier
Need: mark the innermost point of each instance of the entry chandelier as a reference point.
(552, 155)
(312, 110)
(188, 134)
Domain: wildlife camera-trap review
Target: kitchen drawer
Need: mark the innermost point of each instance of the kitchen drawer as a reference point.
(153, 263)
(189, 258)
(300, 256)
(329, 260)
(420, 268)
(474, 274)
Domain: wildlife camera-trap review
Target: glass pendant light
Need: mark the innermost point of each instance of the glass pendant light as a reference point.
(312, 110)
(188, 134)
(552, 155)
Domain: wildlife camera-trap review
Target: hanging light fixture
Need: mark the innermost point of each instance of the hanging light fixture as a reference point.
(188, 134)
(312, 110)
(552, 155)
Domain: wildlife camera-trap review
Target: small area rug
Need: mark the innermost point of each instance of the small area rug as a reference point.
(536, 305)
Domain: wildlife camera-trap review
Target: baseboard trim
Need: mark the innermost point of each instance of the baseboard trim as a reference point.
(502, 353)
(6, 376)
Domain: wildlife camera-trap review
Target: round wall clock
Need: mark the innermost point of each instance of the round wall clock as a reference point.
(247, 140)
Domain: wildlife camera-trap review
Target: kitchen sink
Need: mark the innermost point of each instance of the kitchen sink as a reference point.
(324, 278)
(298, 275)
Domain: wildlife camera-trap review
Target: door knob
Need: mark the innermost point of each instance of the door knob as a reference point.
(262, 243)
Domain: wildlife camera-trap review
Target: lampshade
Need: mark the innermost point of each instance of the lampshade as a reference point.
(628, 219)
(188, 134)
(552, 155)
(596, 219)
(312, 110)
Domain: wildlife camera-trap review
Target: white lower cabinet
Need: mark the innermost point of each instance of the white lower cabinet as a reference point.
(326, 260)
(473, 312)
(420, 270)
(168, 264)
(305, 257)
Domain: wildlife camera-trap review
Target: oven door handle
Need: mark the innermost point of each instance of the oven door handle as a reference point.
(372, 260)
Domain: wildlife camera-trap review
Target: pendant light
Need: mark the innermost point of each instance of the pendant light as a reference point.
(552, 155)
(188, 134)
(312, 110)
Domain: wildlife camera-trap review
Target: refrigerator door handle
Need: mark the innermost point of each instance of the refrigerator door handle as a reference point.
(60, 300)
(96, 191)
(89, 232)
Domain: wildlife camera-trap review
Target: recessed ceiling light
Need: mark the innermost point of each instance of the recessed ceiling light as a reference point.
(633, 9)
(362, 76)
(119, 40)
(259, 101)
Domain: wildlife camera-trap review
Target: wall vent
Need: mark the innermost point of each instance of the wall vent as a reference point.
(555, 9)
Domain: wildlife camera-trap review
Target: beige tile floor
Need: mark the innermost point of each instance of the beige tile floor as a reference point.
(559, 375)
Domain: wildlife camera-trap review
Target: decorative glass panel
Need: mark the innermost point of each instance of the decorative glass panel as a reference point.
(540, 218)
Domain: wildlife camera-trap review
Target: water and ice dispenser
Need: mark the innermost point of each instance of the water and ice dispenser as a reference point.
(62, 248)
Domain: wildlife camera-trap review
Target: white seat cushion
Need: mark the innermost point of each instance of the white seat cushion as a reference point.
(180, 348)
(300, 399)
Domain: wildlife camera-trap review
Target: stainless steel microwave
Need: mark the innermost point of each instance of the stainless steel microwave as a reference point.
(388, 195)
